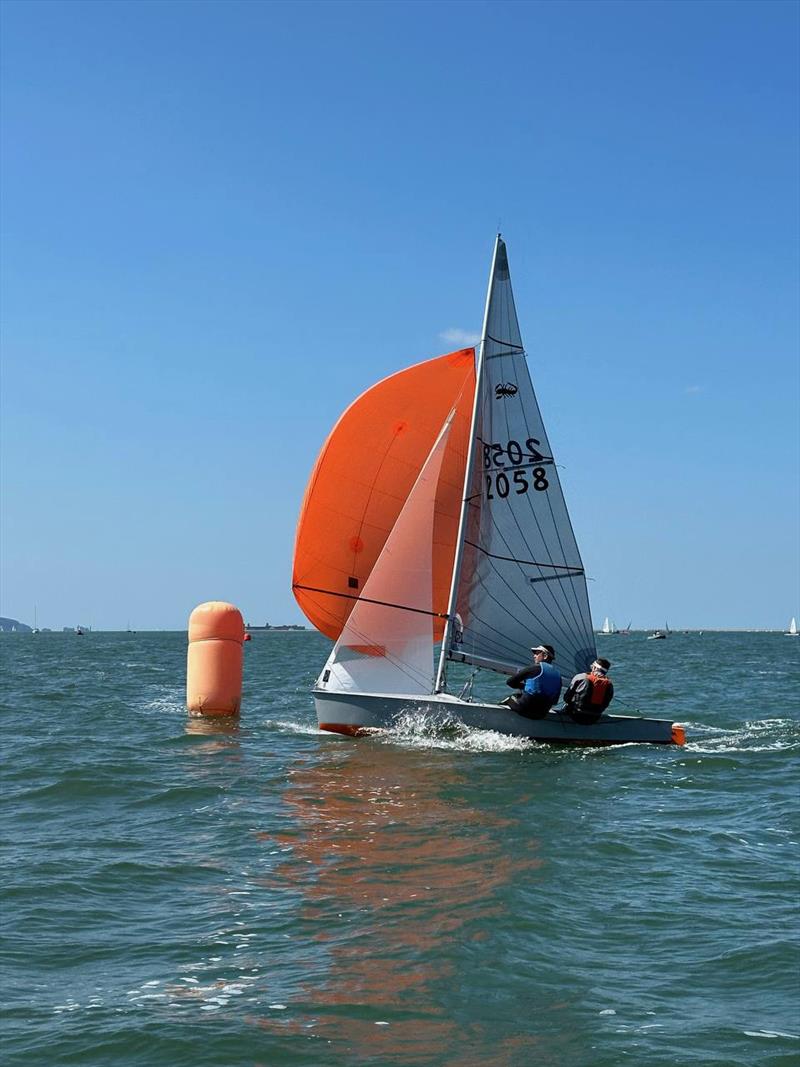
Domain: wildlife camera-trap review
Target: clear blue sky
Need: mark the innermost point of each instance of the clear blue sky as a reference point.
(221, 221)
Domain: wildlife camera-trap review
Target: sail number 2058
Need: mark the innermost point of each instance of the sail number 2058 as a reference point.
(503, 480)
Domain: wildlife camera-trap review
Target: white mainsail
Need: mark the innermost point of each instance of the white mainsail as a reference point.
(520, 577)
(792, 631)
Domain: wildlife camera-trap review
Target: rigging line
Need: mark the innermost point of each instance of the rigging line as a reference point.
(367, 600)
(556, 577)
(505, 310)
(508, 344)
(529, 622)
(567, 637)
(557, 636)
(477, 632)
(565, 654)
(584, 613)
(529, 562)
(580, 619)
(557, 608)
(583, 610)
(561, 605)
(403, 666)
(506, 416)
(562, 626)
(555, 625)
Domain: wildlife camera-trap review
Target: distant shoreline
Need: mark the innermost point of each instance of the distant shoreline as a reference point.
(283, 629)
(685, 631)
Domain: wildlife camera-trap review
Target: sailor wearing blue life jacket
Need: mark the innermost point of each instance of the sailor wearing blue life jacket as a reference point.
(539, 685)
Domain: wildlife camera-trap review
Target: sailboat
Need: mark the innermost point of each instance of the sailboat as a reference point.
(792, 631)
(608, 627)
(435, 514)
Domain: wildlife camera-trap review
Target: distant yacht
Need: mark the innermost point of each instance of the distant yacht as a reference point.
(792, 631)
(608, 627)
(36, 630)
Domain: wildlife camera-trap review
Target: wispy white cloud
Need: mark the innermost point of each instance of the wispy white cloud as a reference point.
(691, 389)
(456, 336)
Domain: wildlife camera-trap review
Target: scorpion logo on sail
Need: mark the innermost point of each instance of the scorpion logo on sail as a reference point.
(504, 389)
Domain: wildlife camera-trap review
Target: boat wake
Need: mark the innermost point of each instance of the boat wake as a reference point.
(417, 729)
(756, 735)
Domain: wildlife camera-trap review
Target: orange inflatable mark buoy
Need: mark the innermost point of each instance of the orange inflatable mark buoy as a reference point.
(214, 660)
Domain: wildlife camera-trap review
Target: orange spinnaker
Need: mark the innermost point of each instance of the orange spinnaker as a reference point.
(361, 480)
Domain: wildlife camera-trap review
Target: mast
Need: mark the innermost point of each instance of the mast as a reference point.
(441, 674)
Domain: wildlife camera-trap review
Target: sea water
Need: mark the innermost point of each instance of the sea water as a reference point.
(184, 893)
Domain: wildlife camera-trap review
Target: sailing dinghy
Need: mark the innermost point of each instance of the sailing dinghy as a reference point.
(792, 631)
(435, 513)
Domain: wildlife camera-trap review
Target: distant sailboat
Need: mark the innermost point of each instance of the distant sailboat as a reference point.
(35, 629)
(792, 631)
(434, 514)
(608, 627)
(660, 635)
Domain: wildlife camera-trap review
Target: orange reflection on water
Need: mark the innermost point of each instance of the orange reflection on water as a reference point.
(397, 871)
(218, 726)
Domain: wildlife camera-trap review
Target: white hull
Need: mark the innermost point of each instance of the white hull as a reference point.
(356, 713)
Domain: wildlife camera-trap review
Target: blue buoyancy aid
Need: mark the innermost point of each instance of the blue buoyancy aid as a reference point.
(547, 682)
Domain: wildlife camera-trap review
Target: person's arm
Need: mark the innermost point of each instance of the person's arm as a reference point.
(570, 691)
(518, 680)
(575, 689)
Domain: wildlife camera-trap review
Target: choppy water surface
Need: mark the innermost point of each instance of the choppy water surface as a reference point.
(185, 893)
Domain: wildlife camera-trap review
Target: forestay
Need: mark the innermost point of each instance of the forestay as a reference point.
(521, 581)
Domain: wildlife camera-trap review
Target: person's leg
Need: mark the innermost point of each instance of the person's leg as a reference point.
(532, 706)
(582, 717)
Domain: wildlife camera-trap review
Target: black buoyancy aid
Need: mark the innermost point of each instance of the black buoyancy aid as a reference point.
(596, 695)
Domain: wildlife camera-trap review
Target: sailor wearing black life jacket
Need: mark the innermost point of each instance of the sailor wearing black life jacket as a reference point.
(589, 694)
(540, 685)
